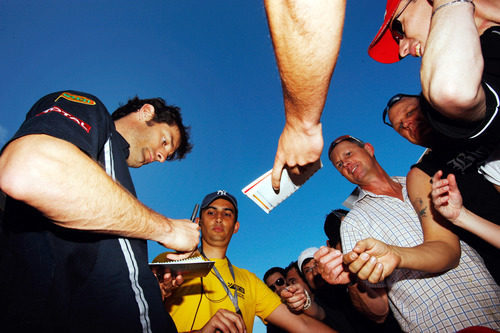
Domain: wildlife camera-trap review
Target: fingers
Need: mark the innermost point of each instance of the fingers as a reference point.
(276, 173)
(363, 245)
(329, 264)
(366, 267)
(452, 183)
(225, 321)
(437, 176)
(179, 255)
(350, 257)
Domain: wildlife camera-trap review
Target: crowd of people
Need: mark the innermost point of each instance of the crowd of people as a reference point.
(413, 254)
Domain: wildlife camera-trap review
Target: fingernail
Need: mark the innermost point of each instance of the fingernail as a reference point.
(373, 259)
(364, 256)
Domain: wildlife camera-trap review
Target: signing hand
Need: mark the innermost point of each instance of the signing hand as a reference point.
(182, 236)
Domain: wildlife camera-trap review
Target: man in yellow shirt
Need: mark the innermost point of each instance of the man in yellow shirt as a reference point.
(228, 298)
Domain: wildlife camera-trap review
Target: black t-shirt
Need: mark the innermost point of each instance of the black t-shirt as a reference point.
(59, 279)
(488, 129)
(478, 195)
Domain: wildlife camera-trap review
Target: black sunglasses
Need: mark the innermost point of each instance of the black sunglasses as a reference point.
(396, 27)
(279, 282)
(341, 139)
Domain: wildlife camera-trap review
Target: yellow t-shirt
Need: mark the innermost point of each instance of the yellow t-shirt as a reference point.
(254, 298)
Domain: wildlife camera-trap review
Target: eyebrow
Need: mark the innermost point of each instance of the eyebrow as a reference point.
(229, 209)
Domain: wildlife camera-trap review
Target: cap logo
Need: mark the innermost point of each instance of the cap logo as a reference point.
(76, 98)
(221, 192)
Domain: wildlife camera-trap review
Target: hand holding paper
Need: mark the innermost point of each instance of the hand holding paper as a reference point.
(262, 193)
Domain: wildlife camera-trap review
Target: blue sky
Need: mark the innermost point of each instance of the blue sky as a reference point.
(214, 59)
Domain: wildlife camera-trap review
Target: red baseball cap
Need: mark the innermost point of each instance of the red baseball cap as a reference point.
(384, 48)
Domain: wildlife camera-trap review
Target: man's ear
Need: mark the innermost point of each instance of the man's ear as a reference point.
(369, 148)
(236, 227)
(146, 112)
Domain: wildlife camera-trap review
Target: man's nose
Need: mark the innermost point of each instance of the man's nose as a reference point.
(404, 48)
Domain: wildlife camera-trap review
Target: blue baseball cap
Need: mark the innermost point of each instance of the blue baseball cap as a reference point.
(209, 198)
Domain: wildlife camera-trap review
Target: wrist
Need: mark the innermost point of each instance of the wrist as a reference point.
(462, 217)
(307, 126)
(308, 301)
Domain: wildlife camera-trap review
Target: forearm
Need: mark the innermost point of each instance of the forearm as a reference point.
(71, 189)
(431, 256)
(452, 45)
(283, 318)
(306, 37)
(373, 303)
(315, 311)
(479, 226)
(440, 250)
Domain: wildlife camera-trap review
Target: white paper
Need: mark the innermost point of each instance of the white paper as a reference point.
(262, 193)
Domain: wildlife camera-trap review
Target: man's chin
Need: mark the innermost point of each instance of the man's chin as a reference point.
(132, 164)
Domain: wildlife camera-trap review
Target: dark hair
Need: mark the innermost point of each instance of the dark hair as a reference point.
(332, 225)
(164, 113)
(273, 270)
(293, 264)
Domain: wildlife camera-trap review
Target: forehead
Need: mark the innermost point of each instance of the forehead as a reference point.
(342, 147)
(222, 204)
(273, 277)
(292, 273)
(402, 105)
(309, 262)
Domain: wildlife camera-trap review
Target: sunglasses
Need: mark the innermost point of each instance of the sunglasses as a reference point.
(341, 139)
(396, 26)
(279, 282)
(309, 269)
(394, 99)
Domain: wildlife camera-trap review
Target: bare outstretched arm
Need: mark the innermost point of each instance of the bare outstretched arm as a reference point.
(447, 201)
(306, 37)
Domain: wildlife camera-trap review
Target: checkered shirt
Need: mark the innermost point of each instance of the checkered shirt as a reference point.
(421, 302)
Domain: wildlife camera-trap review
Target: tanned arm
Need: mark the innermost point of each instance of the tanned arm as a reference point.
(64, 184)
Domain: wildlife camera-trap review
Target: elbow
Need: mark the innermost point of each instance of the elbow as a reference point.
(15, 184)
(453, 98)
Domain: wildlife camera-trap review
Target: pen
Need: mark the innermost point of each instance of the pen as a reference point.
(195, 211)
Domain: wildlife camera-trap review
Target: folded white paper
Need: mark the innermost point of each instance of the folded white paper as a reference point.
(262, 193)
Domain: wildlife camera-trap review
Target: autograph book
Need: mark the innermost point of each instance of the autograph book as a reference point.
(189, 268)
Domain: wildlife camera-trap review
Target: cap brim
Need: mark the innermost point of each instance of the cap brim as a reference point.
(384, 48)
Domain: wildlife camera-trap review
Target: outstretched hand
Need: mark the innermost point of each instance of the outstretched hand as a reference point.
(330, 266)
(372, 260)
(168, 283)
(298, 148)
(225, 321)
(294, 297)
(446, 196)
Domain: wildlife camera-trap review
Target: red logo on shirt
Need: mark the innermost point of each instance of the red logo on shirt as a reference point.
(80, 122)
